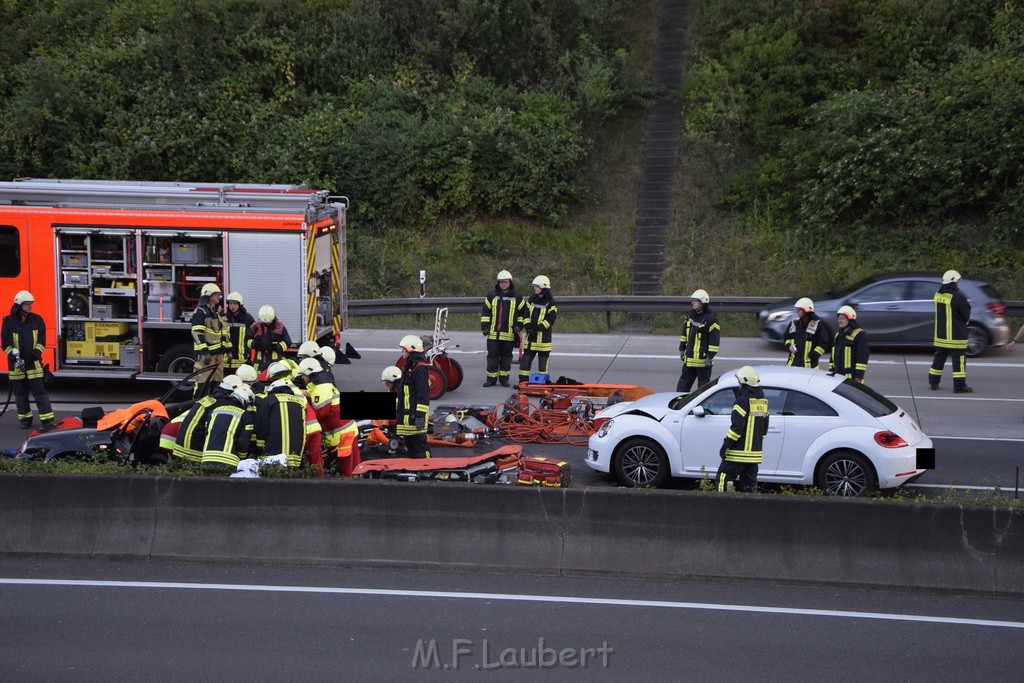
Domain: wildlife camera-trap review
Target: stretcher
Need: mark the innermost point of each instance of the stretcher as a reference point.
(497, 466)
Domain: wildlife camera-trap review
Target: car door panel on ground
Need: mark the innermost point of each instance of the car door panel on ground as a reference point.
(701, 438)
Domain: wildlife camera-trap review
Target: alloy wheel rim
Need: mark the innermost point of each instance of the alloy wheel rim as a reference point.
(641, 465)
(846, 478)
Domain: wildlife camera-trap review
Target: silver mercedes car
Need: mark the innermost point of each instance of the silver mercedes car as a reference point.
(897, 309)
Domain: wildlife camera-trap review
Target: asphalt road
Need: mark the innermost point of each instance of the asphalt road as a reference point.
(154, 621)
(979, 437)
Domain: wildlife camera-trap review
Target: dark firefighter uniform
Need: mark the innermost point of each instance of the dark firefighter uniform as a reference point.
(269, 341)
(743, 445)
(850, 352)
(281, 423)
(26, 333)
(698, 345)
(952, 313)
(191, 438)
(537, 318)
(228, 436)
(236, 350)
(412, 392)
(499, 321)
(810, 337)
(209, 340)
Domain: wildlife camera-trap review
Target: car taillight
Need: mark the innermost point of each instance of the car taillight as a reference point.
(997, 307)
(889, 440)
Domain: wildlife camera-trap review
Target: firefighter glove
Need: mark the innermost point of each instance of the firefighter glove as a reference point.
(421, 422)
(792, 348)
(682, 357)
(518, 341)
(205, 358)
(722, 450)
(708, 362)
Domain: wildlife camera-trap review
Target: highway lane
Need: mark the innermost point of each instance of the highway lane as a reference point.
(979, 437)
(96, 620)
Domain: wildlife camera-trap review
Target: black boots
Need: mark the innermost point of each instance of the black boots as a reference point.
(504, 381)
(491, 381)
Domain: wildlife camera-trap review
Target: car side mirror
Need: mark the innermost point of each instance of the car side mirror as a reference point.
(698, 411)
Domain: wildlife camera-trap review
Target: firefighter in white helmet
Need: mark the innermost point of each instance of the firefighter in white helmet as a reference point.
(210, 341)
(499, 322)
(239, 321)
(698, 342)
(806, 337)
(952, 315)
(412, 392)
(280, 427)
(744, 442)
(537, 317)
(850, 347)
(268, 337)
(23, 338)
(229, 432)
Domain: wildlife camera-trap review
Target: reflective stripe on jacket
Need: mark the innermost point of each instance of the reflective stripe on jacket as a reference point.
(745, 438)
(952, 313)
(700, 337)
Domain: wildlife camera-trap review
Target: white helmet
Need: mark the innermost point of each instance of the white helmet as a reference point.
(950, 276)
(278, 370)
(208, 289)
(504, 275)
(244, 395)
(848, 311)
(391, 374)
(236, 297)
(23, 297)
(805, 303)
(308, 349)
(246, 373)
(542, 281)
(411, 342)
(231, 382)
(701, 296)
(267, 314)
(748, 375)
(309, 366)
(328, 355)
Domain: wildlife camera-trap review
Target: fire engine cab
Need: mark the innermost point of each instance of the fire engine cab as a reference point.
(116, 267)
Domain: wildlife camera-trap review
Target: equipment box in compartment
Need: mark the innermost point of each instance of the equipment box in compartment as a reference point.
(74, 277)
(102, 353)
(161, 311)
(73, 260)
(188, 252)
(116, 309)
(129, 355)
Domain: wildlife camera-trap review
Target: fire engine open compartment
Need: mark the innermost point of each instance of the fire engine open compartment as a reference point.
(126, 261)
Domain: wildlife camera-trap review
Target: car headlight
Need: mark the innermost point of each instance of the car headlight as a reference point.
(605, 428)
(779, 316)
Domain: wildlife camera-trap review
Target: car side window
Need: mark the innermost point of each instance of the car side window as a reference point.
(923, 290)
(800, 403)
(885, 291)
(721, 402)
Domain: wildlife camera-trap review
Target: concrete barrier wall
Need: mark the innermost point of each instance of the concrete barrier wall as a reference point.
(603, 531)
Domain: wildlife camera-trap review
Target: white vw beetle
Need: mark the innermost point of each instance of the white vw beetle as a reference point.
(824, 430)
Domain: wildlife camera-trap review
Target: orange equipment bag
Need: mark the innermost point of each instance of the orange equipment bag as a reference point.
(537, 471)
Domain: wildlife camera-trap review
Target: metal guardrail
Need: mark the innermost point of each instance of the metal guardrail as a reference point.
(592, 304)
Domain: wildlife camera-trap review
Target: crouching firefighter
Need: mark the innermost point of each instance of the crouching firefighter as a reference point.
(744, 442)
(191, 437)
(281, 417)
(229, 432)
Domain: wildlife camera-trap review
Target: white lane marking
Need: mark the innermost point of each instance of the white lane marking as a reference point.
(772, 360)
(558, 599)
(929, 397)
(977, 438)
(1002, 489)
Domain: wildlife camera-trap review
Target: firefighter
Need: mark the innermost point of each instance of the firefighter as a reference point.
(338, 433)
(806, 337)
(850, 347)
(191, 437)
(238, 322)
(23, 337)
(743, 444)
(499, 322)
(698, 343)
(413, 397)
(536, 318)
(323, 355)
(281, 417)
(209, 327)
(229, 432)
(268, 337)
(952, 314)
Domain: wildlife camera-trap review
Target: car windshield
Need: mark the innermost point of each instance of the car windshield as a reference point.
(680, 402)
(867, 398)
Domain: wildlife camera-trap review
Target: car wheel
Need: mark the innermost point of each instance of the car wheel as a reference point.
(641, 463)
(977, 340)
(847, 474)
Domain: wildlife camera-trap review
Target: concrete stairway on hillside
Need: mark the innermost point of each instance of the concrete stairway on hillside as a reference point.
(661, 146)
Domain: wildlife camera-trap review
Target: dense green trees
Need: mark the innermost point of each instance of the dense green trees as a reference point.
(897, 120)
(416, 108)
